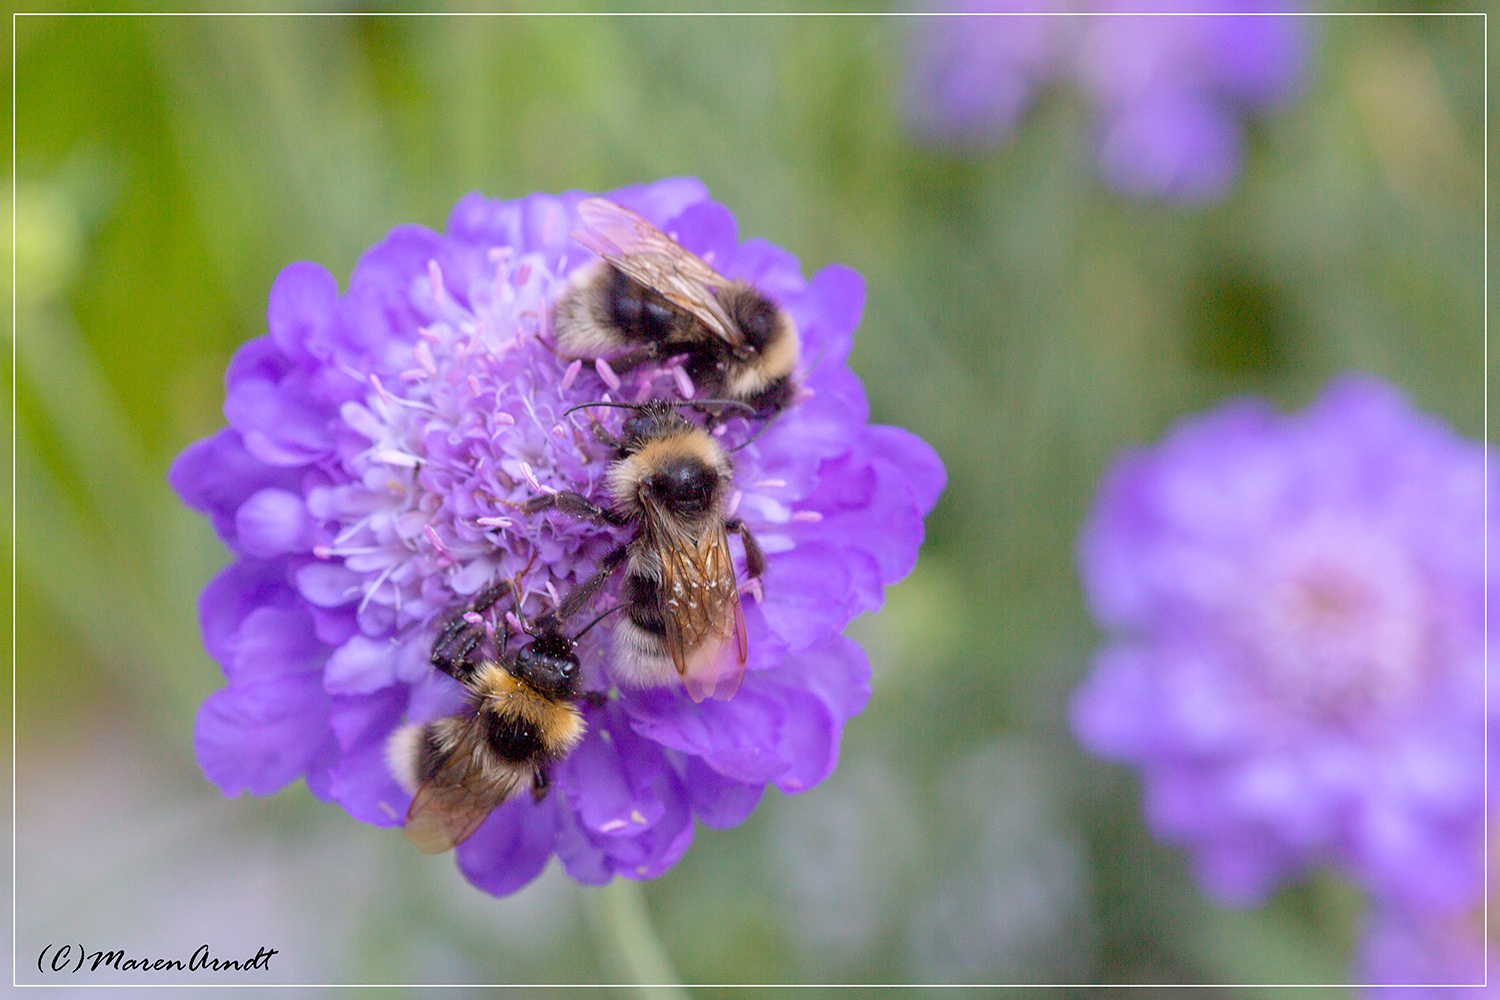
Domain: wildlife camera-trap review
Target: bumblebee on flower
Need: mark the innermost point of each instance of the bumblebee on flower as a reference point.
(380, 447)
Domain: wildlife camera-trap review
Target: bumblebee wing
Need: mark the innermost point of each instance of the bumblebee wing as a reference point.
(464, 789)
(728, 667)
(701, 607)
(631, 243)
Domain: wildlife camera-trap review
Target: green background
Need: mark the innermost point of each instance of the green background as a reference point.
(1024, 319)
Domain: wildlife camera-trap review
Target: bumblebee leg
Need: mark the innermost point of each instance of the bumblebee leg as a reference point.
(540, 784)
(458, 637)
(583, 595)
(576, 505)
(605, 437)
(486, 598)
(634, 359)
(755, 561)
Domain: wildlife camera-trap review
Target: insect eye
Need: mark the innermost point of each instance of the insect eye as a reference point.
(631, 429)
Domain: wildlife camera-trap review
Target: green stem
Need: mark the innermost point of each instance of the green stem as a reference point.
(622, 924)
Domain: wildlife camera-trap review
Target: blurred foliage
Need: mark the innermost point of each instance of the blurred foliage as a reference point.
(1022, 318)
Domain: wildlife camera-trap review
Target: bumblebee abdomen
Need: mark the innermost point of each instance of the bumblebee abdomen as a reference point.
(514, 739)
(643, 597)
(636, 311)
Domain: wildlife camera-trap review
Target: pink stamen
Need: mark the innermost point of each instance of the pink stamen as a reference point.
(768, 484)
(476, 340)
(423, 354)
(523, 273)
(504, 419)
(734, 503)
(515, 623)
(437, 543)
(752, 587)
(435, 278)
(322, 551)
(684, 383)
(412, 375)
(493, 522)
(473, 618)
(571, 373)
(809, 516)
(474, 386)
(430, 334)
(606, 373)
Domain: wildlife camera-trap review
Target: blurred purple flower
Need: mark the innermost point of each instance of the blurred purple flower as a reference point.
(970, 79)
(1423, 953)
(1169, 90)
(374, 441)
(1414, 948)
(1298, 607)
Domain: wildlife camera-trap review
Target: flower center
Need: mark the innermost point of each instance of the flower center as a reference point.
(1336, 622)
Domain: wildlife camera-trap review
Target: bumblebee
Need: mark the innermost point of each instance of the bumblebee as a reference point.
(522, 718)
(651, 298)
(680, 598)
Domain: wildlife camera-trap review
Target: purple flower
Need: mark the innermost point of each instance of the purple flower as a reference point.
(376, 446)
(1423, 952)
(1169, 90)
(1297, 612)
(970, 79)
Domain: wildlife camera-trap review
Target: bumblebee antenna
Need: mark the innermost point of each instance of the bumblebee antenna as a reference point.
(621, 406)
(664, 402)
(763, 427)
(579, 634)
(715, 402)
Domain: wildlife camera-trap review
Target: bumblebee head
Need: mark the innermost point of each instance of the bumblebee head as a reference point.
(650, 421)
(549, 664)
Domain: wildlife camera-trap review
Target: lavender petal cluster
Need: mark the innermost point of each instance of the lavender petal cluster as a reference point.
(1169, 81)
(1296, 608)
(378, 445)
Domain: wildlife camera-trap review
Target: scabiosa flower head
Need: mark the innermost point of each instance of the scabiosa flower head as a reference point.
(1169, 90)
(379, 442)
(1297, 609)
